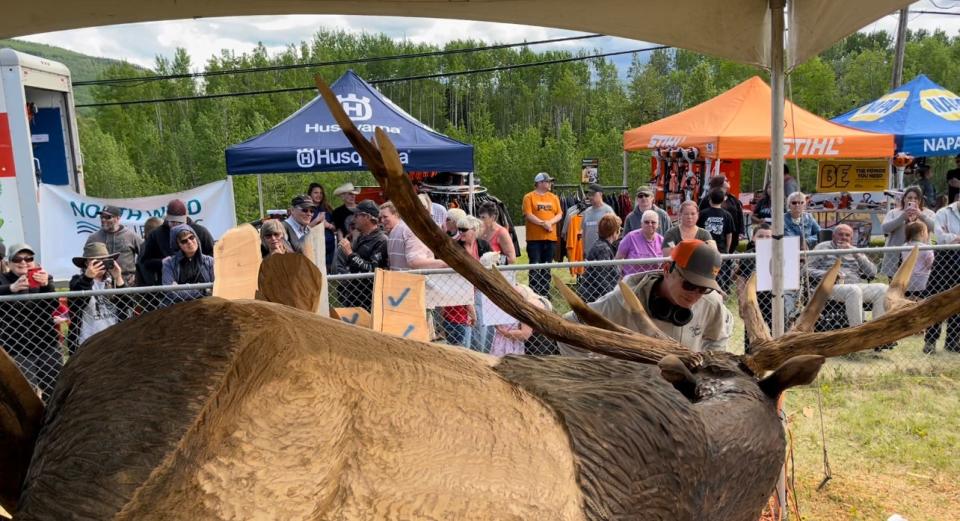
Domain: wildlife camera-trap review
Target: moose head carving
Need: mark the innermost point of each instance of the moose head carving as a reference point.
(217, 409)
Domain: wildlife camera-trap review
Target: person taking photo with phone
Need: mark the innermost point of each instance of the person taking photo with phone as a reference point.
(911, 209)
(26, 326)
(100, 270)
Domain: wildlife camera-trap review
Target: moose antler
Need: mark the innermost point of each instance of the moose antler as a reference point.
(903, 318)
(384, 164)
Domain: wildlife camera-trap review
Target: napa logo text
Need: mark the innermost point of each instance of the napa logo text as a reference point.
(882, 107)
(941, 102)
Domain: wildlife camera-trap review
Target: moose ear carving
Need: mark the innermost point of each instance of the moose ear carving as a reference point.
(799, 370)
(673, 371)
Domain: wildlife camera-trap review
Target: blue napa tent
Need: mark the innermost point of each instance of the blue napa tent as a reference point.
(310, 140)
(924, 117)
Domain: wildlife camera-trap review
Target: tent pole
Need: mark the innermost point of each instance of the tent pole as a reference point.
(260, 194)
(624, 183)
(776, 158)
(471, 193)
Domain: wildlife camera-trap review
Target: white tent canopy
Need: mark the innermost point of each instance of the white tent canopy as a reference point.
(738, 30)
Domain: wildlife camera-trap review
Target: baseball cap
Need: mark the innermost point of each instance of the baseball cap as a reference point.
(111, 210)
(368, 207)
(176, 212)
(346, 188)
(302, 201)
(697, 262)
(17, 248)
(593, 188)
(541, 177)
(644, 190)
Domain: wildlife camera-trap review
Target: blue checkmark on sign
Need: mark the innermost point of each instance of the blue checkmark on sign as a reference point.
(409, 330)
(352, 320)
(394, 302)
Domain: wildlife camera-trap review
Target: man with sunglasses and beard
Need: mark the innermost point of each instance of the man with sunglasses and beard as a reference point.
(683, 300)
(120, 241)
(645, 202)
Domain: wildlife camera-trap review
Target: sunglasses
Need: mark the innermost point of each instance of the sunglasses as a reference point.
(107, 217)
(464, 230)
(185, 240)
(796, 202)
(274, 234)
(689, 286)
(18, 260)
(643, 196)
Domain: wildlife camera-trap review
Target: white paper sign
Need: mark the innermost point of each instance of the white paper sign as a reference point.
(791, 264)
(68, 218)
(448, 289)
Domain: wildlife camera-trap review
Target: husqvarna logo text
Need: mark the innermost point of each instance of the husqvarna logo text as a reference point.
(357, 108)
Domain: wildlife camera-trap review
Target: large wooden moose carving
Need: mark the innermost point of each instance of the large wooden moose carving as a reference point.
(218, 410)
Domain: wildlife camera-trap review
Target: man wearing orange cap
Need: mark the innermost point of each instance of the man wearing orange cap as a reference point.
(684, 300)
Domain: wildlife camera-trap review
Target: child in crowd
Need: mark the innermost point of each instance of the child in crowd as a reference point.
(509, 339)
(917, 235)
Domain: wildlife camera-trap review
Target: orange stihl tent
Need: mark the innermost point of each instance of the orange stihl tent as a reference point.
(736, 125)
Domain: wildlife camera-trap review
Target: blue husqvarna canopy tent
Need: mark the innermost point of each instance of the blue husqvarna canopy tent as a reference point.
(924, 117)
(310, 140)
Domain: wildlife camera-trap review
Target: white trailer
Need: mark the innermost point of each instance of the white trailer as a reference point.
(38, 140)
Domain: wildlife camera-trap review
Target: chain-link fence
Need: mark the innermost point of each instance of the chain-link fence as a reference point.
(41, 331)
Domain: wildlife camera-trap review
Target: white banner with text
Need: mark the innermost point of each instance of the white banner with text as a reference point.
(68, 218)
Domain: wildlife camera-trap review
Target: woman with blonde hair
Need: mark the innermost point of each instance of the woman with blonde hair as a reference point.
(686, 229)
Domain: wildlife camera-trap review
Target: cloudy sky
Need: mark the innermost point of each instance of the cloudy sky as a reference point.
(141, 43)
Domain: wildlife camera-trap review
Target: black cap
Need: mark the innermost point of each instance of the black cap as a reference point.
(302, 201)
(369, 207)
(594, 187)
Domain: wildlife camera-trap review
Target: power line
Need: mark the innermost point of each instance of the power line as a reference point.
(374, 82)
(144, 79)
(947, 13)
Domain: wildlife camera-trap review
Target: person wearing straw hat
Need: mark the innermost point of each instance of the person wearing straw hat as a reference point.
(119, 239)
(343, 214)
(100, 270)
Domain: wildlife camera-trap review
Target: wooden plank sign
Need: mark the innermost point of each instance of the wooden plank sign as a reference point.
(399, 305)
(314, 247)
(356, 316)
(236, 263)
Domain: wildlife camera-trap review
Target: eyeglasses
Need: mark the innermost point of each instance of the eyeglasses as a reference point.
(305, 208)
(18, 260)
(689, 286)
(269, 235)
(642, 196)
(185, 240)
(798, 203)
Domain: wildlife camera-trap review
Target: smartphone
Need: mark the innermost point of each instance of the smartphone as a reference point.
(30, 280)
(912, 205)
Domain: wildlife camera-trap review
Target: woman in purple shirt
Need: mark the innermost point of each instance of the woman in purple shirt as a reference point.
(644, 243)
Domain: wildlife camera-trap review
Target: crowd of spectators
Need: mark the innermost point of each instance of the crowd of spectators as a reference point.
(361, 237)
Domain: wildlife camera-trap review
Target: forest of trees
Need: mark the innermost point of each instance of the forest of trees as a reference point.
(520, 121)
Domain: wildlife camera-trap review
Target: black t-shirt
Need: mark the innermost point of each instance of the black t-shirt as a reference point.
(343, 218)
(718, 224)
(951, 191)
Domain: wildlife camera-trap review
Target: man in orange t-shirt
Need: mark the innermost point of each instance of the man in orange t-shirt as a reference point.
(541, 210)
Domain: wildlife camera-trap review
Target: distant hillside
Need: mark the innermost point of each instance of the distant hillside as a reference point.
(81, 66)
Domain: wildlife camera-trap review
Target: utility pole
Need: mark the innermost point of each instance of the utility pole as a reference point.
(898, 52)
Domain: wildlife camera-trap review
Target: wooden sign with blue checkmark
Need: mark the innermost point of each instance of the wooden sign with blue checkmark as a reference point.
(356, 316)
(399, 305)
